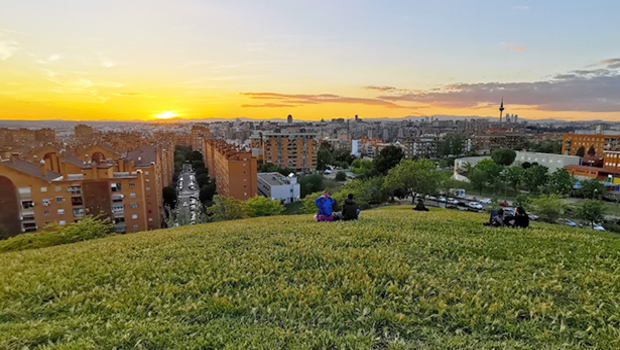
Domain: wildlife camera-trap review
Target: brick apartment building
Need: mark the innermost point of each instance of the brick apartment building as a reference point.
(29, 137)
(289, 150)
(50, 185)
(234, 169)
(601, 142)
(198, 134)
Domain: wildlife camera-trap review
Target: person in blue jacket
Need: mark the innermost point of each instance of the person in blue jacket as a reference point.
(325, 203)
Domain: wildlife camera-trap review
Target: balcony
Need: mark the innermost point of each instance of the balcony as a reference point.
(77, 201)
(28, 217)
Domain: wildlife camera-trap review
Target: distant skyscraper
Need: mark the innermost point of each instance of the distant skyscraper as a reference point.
(507, 118)
(356, 118)
(289, 119)
(501, 110)
(514, 118)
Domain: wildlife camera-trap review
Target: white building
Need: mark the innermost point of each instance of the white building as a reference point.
(355, 148)
(278, 186)
(549, 160)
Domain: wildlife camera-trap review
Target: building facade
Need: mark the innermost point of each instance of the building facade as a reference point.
(233, 169)
(291, 150)
(572, 142)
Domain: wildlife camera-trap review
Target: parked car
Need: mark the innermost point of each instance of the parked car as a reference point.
(567, 222)
(486, 200)
(442, 199)
(598, 227)
(503, 204)
(475, 205)
(431, 198)
(453, 201)
(532, 216)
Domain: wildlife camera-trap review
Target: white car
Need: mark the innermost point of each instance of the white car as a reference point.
(486, 200)
(453, 201)
(475, 205)
(431, 198)
(598, 227)
(442, 199)
(532, 216)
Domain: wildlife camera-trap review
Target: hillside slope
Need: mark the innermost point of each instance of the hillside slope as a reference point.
(396, 279)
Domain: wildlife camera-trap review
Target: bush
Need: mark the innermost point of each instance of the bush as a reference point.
(226, 208)
(366, 192)
(549, 207)
(611, 226)
(263, 206)
(341, 176)
(523, 201)
(591, 211)
(56, 234)
(310, 184)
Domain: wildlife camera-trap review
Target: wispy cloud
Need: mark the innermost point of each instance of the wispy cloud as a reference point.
(512, 47)
(271, 105)
(380, 88)
(7, 48)
(587, 90)
(289, 100)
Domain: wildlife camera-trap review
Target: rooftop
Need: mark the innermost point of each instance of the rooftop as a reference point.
(274, 179)
(31, 169)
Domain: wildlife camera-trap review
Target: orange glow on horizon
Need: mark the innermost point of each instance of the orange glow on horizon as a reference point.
(166, 115)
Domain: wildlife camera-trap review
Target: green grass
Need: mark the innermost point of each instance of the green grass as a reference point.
(396, 279)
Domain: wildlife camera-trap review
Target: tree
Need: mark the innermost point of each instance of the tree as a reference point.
(581, 152)
(263, 206)
(591, 188)
(366, 192)
(362, 168)
(503, 156)
(562, 181)
(341, 176)
(523, 201)
(536, 176)
(592, 151)
(170, 196)
(478, 179)
(387, 159)
(419, 176)
(195, 155)
(592, 211)
(226, 208)
(311, 183)
(514, 176)
(324, 158)
(343, 156)
(452, 145)
(207, 192)
(202, 179)
(526, 165)
(549, 207)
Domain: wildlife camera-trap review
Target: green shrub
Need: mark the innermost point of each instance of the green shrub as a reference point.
(549, 207)
(263, 206)
(56, 234)
(341, 176)
(226, 208)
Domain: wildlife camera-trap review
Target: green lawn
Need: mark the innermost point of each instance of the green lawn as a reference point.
(396, 279)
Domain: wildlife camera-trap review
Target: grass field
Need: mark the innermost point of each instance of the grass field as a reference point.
(396, 279)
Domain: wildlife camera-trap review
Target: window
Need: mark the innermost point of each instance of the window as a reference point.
(78, 212)
(61, 211)
(147, 180)
(116, 198)
(135, 227)
(62, 222)
(59, 199)
(118, 208)
(74, 189)
(134, 216)
(132, 184)
(116, 187)
(43, 189)
(132, 195)
(148, 188)
(45, 202)
(57, 188)
(146, 173)
(27, 204)
(24, 191)
(76, 201)
(150, 219)
(46, 212)
(133, 205)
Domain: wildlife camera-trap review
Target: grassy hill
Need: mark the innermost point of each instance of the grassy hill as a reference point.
(396, 279)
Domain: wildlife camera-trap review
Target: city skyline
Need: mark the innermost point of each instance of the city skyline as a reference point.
(141, 60)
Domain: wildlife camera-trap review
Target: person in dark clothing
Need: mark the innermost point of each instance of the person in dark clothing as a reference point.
(420, 206)
(520, 219)
(497, 219)
(350, 209)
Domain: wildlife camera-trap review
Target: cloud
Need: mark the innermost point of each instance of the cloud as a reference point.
(271, 105)
(587, 90)
(319, 99)
(512, 47)
(7, 48)
(108, 63)
(380, 88)
(54, 57)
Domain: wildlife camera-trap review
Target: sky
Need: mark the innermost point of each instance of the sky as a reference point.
(138, 59)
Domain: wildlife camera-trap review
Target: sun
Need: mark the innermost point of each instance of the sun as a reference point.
(166, 115)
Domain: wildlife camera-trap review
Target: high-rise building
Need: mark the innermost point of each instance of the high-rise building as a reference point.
(291, 150)
(83, 132)
(198, 134)
(234, 169)
(289, 119)
(572, 142)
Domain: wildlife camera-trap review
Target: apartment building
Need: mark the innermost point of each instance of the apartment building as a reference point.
(29, 137)
(198, 134)
(56, 186)
(572, 142)
(295, 150)
(421, 147)
(234, 169)
(279, 187)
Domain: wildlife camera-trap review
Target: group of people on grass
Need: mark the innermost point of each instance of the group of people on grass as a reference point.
(350, 209)
(498, 218)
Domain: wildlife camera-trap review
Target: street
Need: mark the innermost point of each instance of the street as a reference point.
(187, 199)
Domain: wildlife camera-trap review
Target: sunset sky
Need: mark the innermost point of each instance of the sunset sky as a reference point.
(124, 59)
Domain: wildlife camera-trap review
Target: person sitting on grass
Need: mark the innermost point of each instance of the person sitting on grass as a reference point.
(519, 220)
(420, 206)
(497, 218)
(350, 209)
(324, 203)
